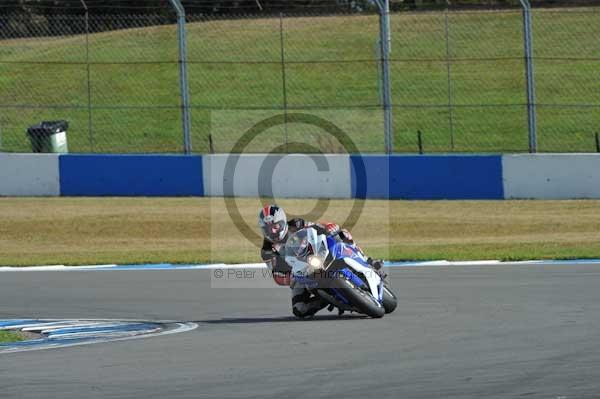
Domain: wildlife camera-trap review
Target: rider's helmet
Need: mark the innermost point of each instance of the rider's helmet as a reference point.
(273, 223)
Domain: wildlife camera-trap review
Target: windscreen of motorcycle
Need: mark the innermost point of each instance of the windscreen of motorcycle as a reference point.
(303, 243)
(298, 244)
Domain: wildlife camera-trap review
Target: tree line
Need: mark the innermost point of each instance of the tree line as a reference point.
(26, 18)
(50, 7)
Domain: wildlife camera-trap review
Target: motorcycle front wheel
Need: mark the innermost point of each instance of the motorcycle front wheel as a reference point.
(360, 299)
(390, 301)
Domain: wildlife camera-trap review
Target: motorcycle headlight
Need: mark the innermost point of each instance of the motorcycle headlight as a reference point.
(314, 262)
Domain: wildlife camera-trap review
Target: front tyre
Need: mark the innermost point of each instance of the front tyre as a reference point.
(390, 301)
(361, 300)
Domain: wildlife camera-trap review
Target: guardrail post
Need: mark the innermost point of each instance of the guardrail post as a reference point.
(385, 42)
(529, 76)
(183, 80)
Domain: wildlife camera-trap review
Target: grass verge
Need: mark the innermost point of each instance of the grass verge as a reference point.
(9, 336)
(71, 231)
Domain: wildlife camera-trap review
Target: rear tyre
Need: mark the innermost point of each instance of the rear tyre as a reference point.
(390, 301)
(360, 299)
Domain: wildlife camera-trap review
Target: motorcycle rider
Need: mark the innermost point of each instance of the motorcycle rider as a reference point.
(276, 229)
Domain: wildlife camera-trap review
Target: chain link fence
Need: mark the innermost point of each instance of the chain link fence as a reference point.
(567, 65)
(457, 78)
(114, 78)
(324, 65)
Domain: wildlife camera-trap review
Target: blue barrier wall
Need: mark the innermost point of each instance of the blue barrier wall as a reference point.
(427, 176)
(372, 176)
(131, 175)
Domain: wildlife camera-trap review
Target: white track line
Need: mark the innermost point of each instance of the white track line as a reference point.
(181, 327)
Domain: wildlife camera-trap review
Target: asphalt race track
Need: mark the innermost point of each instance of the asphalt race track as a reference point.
(459, 332)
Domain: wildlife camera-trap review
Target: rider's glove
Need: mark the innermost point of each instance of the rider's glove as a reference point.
(331, 228)
(282, 278)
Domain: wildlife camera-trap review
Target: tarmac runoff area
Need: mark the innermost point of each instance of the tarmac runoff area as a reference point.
(460, 331)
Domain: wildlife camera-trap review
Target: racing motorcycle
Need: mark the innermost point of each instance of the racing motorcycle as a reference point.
(337, 272)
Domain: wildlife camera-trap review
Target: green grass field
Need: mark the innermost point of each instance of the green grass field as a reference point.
(487, 82)
(41, 231)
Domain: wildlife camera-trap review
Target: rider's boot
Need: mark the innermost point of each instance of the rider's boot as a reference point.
(309, 308)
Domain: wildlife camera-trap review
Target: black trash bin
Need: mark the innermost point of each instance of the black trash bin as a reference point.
(49, 136)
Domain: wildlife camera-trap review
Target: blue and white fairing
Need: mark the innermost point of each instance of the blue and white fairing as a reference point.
(305, 247)
(357, 263)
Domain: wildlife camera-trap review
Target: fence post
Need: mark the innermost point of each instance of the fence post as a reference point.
(89, 81)
(449, 80)
(529, 76)
(183, 81)
(384, 40)
(283, 81)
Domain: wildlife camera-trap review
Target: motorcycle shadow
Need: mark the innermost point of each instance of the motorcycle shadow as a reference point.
(285, 319)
